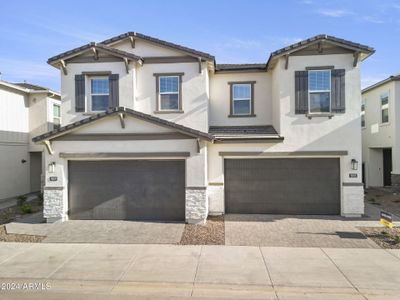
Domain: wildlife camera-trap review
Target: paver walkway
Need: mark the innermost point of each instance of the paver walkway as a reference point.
(160, 271)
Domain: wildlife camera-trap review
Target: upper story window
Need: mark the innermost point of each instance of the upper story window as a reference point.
(99, 93)
(363, 113)
(169, 93)
(242, 99)
(56, 116)
(319, 91)
(385, 108)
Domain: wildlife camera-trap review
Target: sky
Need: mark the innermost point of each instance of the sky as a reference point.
(233, 31)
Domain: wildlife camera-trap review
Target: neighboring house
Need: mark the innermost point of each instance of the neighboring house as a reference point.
(154, 130)
(27, 110)
(380, 113)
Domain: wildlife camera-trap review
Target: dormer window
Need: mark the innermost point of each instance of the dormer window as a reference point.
(99, 93)
(319, 91)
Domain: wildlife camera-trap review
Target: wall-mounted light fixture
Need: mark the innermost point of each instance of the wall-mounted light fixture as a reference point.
(51, 167)
(23, 161)
(354, 164)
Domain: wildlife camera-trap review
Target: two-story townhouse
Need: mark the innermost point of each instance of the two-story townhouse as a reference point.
(27, 111)
(154, 130)
(381, 133)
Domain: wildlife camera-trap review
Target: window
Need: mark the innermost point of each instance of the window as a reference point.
(99, 93)
(56, 116)
(319, 91)
(241, 99)
(169, 97)
(385, 108)
(363, 114)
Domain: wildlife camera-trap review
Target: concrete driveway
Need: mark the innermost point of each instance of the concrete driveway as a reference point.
(163, 271)
(300, 231)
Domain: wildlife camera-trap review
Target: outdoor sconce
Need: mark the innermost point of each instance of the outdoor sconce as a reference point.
(52, 167)
(354, 164)
(23, 161)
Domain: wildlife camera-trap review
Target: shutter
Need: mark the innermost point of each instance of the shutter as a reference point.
(113, 100)
(338, 91)
(79, 93)
(301, 92)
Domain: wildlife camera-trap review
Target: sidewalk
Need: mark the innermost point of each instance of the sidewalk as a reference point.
(93, 271)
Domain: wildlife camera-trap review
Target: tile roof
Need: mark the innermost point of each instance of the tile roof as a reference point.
(96, 46)
(382, 82)
(160, 42)
(242, 130)
(323, 37)
(241, 67)
(31, 86)
(146, 117)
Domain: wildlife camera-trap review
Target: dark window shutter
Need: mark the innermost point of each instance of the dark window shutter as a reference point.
(301, 92)
(79, 93)
(113, 100)
(338, 91)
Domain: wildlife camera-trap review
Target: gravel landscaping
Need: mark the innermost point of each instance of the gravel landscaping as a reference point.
(386, 199)
(212, 233)
(20, 238)
(17, 212)
(385, 237)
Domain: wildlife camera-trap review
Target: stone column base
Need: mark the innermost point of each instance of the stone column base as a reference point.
(196, 205)
(53, 203)
(395, 181)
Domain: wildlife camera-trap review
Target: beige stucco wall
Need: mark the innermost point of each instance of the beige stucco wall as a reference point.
(137, 90)
(376, 135)
(342, 132)
(195, 163)
(220, 99)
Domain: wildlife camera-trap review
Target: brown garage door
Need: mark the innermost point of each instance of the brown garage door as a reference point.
(127, 190)
(282, 186)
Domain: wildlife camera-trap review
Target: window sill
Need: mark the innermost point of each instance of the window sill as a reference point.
(327, 115)
(384, 124)
(241, 116)
(168, 111)
(89, 113)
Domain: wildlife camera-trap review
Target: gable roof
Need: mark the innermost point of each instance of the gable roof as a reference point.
(382, 82)
(139, 115)
(153, 40)
(366, 50)
(84, 48)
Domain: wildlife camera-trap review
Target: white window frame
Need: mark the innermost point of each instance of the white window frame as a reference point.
(169, 93)
(241, 99)
(89, 101)
(56, 117)
(384, 106)
(363, 102)
(320, 91)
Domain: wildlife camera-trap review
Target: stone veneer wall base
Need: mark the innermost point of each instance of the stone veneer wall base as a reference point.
(196, 205)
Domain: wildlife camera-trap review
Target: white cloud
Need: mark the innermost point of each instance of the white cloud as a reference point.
(372, 19)
(334, 13)
(367, 81)
(20, 70)
(236, 43)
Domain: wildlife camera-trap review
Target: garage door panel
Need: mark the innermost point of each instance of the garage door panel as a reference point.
(282, 186)
(127, 190)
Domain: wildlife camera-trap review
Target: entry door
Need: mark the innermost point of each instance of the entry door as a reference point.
(35, 170)
(387, 166)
